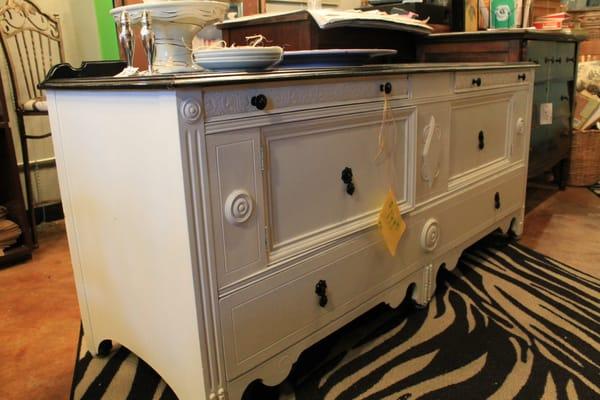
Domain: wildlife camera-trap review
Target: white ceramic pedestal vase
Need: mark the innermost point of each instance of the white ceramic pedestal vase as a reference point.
(175, 23)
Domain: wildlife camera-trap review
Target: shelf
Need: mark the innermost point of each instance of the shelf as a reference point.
(15, 255)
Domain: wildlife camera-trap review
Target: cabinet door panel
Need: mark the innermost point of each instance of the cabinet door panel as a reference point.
(309, 202)
(479, 133)
(237, 204)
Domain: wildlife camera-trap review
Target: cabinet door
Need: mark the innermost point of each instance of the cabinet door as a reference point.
(312, 201)
(479, 134)
(237, 201)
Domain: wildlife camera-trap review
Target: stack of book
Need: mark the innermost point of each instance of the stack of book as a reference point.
(9, 231)
(557, 21)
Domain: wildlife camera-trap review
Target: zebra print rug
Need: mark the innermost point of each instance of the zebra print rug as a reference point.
(507, 323)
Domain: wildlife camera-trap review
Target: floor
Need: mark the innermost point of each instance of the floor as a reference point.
(40, 317)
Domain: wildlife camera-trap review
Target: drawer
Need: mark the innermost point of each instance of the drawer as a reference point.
(563, 65)
(478, 133)
(476, 80)
(309, 202)
(262, 320)
(237, 101)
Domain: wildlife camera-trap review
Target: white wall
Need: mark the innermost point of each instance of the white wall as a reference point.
(80, 41)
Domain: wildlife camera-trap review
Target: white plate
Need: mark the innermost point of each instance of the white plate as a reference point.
(238, 58)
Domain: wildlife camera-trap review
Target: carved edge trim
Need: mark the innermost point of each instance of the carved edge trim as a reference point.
(191, 131)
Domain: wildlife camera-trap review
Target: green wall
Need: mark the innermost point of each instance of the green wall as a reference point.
(107, 31)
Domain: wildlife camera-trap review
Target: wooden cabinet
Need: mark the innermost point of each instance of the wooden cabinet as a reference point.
(218, 240)
(11, 195)
(556, 55)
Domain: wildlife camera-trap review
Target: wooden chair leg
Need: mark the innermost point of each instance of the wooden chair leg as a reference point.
(27, 175)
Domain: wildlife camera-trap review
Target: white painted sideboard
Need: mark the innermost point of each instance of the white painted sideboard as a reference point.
(215, 238)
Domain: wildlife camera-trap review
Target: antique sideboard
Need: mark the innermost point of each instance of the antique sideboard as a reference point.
(212, 226)
(553, 94)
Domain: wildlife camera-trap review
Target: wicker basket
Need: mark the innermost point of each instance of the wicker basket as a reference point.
(585, 158)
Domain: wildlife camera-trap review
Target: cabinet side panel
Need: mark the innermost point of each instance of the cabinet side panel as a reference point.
(120, 166)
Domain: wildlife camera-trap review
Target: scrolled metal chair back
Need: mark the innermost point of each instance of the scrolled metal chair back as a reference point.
(32, 44)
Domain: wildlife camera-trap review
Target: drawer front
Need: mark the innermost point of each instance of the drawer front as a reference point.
(478, 134)
(309, 201)
(563, 67)
(264, 319)
(237, 101)
(477, 80)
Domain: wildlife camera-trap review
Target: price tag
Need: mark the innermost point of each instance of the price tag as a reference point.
(390, 223)
(546, 114)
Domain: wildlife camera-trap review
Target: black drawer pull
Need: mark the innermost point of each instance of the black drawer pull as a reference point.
(259, 101)
(481, 138)
(549, 60)
(321, 291)
(570, 59)
(558, 60)
(564, 98)
(522, 77)
(534, 61)
(347, 177)
(497, 201)
(476, 82)
(387, 88)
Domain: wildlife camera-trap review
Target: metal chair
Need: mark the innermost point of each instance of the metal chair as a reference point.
(32, 44)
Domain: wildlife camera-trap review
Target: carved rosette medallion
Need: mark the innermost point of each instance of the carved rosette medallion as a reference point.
(190, 111)
(238, 207)
(430, 235)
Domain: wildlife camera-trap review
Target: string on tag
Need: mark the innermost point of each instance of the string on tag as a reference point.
(387, 142)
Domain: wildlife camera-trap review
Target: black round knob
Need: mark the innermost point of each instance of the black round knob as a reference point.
(387, 88)
(321, 291)
(476, 82)
(497, 200)
(347, 175)
(481, 138)
(564, 98)
(259, 101)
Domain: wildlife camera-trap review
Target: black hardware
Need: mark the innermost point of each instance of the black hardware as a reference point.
(564, 98)
(570, 59)
(558, 60)
(481, 140)
(522, 77)
(259, 101)
(347, 176)
(350, 188)
(321, 291)
(387, 88)
(549, 60)
(497, 200)
(476, 82)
